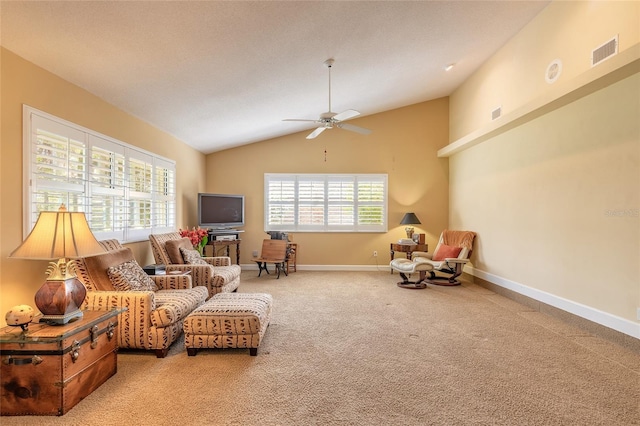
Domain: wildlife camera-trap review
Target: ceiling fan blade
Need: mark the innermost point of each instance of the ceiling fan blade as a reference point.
(345, 115)
(351, 127)
(300, 119)
(316, 132)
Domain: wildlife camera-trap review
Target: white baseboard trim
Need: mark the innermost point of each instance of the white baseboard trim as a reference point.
(614, 322)
(361, 268)
(366, 268)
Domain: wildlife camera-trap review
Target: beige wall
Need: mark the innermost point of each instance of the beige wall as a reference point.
(555, 200)
(403, 144)
(24, 83)
(568, 31)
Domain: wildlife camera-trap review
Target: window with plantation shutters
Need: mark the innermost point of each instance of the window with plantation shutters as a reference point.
(125, 192)
(325, 203)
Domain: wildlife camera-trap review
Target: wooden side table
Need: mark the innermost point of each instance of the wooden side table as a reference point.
(292, 250)
(408, 249)
(48, 369)
(226, 244)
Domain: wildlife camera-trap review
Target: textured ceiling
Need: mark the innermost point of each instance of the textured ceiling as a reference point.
(223, 74)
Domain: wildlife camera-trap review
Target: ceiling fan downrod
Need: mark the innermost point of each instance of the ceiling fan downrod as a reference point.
(329, 63)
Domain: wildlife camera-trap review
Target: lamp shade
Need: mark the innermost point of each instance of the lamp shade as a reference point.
(60, 234)
(410, 219)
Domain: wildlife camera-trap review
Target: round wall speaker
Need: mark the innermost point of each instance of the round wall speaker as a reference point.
(554, 69)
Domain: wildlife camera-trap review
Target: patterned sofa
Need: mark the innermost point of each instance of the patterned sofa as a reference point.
(154, 318)
(217, 274)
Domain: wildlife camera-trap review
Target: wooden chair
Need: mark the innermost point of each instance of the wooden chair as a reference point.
(273, 251)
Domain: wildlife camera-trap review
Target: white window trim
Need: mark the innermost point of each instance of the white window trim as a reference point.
(88, 135)
(326, 178)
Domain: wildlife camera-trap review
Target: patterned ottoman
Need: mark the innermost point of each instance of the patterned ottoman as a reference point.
(228, 320)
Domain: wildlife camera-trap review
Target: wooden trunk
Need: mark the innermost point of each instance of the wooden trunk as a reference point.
(49, 369)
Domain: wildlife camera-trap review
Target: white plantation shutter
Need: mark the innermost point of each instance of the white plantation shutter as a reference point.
(311, 196)
(280, 211)
(126, 193)
(108, 207)
(325, 203)
(139, 183)
(341, 207)
(164, 195)
(371, 205)
(58, 167)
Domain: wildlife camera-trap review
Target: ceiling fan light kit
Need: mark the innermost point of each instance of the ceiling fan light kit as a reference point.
(330, 119)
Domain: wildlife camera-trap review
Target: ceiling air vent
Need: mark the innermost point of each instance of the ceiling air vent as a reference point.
(496, 113)
(604, 51)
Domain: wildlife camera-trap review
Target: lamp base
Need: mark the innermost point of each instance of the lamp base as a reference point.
(60, 300)
(61, 319)
(409, 231)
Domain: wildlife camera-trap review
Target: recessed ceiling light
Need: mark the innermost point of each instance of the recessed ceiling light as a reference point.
(448, 67)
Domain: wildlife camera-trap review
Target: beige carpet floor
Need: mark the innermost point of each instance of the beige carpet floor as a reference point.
(351, 348)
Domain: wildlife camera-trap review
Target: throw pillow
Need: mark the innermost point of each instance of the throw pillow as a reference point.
(173, 249)
(444, 252)
(130, 276)
(192, 257)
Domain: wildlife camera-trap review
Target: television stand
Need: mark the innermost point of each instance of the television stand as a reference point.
(225, 238)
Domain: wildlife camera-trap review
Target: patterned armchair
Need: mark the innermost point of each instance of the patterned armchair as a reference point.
(217, 274)
(154, 316)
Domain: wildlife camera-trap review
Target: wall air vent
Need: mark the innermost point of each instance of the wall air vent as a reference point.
(496, 113)
(605, 51)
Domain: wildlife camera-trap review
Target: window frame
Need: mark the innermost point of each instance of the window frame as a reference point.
(326, 196)
(105, 187)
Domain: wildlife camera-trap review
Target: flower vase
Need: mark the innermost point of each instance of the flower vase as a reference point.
(202, 245)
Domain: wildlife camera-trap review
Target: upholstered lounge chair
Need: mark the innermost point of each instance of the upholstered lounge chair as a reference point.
(451, 254)
(154, 317)
(217, 274)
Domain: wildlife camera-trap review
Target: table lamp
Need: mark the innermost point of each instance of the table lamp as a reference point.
(410, 219)
(59, 235)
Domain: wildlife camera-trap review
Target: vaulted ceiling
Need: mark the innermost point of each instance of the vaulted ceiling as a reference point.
(222, 74)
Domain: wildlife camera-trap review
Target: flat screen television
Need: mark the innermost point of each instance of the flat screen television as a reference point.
(220, 211)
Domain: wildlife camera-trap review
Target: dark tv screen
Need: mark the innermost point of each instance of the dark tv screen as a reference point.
(220, 210)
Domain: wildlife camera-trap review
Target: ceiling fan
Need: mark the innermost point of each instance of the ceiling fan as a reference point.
(330, 119)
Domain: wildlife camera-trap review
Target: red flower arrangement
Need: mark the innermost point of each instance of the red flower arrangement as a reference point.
(198, 237)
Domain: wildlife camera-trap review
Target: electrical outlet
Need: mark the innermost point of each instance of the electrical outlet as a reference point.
(375, 253)
(255, 253)
(638, 314)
